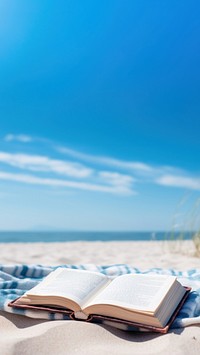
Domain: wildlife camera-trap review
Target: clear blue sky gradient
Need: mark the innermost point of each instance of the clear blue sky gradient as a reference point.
(93, 87)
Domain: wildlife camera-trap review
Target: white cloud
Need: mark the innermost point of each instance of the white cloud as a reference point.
(144, 172)
(45, 164)
(20, 138)
(112, 182)
(117, 179)
(31, 179)
(121, 182)
(111, 162)
(105, 172)
(179, 181)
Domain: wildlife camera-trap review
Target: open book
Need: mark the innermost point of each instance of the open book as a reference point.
(138, 299)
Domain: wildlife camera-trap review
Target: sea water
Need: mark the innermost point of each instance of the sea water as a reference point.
(25, 237)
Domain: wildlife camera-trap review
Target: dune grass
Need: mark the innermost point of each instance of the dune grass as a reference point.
(186, 222)
(196, 240)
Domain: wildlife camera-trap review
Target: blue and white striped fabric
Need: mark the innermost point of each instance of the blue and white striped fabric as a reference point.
(15, 280)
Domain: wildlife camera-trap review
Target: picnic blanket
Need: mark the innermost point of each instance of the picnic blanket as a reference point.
(15, 280)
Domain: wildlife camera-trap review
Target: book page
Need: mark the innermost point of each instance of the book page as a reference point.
(137, 292)
(77, 285)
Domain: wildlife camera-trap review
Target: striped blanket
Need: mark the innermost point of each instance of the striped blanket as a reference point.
(15, 280)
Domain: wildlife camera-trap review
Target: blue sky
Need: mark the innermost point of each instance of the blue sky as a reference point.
(99, 114)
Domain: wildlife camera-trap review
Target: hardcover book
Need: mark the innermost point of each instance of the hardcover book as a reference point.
(142, 301)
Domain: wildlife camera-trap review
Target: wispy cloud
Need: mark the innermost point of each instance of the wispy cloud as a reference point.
(45, 164)
(161, 175)
(116, 179)
(90, 179)
(179, 181)
(108, 161)
(18, 137)
(95, 173)
(31, 179)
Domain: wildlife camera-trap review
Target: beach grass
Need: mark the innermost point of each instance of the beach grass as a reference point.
(186, 225)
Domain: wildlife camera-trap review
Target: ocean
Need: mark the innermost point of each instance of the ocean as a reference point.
(31, 237)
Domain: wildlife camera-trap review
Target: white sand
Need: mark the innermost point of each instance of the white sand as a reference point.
(21, 335)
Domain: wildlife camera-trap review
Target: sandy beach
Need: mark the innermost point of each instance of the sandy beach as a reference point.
(174, 254)
(22, 335)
